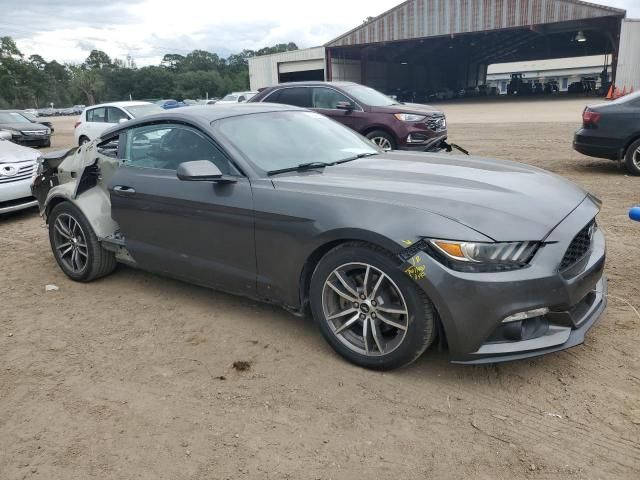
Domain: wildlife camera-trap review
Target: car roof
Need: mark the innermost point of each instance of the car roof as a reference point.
(316, 82)
(205, 114)
(120, 104)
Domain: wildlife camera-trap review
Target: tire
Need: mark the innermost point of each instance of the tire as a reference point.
(47, 144)
(82, 140)
(632, 158)
(382, 139)
(340, 318)
(69, 228)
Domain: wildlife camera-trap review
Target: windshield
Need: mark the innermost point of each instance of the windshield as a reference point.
(278, 140)
(13, 117)
(142, 110)
(230, 98)
(369, 96)
(30, 116)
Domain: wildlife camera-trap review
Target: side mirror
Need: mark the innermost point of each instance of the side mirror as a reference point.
(201, 171)
(123, 120)
(344, 105)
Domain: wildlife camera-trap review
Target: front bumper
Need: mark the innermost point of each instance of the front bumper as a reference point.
(32, 140)
(16, 196)
(472, 306)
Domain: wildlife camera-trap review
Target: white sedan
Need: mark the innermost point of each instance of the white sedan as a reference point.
(17, 166)
(97, 118)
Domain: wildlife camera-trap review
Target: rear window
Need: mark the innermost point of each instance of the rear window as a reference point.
(97, 115)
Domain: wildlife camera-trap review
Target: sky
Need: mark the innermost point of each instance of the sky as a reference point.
(67, 30)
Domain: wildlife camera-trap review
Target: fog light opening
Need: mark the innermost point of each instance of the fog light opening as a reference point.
(517, 317)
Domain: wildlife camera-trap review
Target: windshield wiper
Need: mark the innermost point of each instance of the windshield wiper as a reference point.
(301, 167)
(311, 165)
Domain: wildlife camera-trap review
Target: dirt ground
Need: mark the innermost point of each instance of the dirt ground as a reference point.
(132, 376)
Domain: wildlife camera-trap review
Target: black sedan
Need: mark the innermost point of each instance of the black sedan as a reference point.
(386, 250)
(612, 130)
(24, 131)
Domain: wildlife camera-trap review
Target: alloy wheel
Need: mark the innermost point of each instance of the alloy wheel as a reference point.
(70, 243)
(365, 309)
(382, 142)
(636, 158)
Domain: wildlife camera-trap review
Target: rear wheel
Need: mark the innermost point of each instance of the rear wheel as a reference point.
(368, 310)
(76, 247)
(632, 158)
(83, 139)
(382, 139)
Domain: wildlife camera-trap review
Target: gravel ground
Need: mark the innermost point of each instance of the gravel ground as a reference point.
(133, 376)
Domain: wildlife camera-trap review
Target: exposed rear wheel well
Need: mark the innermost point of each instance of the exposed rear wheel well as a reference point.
(52, 204)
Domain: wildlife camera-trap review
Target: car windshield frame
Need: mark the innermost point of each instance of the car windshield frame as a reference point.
(132, 109)
(306, 130)
(13, 117)
(369, 96)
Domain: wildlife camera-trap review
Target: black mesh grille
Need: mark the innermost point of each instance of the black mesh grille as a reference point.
(579, 246)
(436, 122)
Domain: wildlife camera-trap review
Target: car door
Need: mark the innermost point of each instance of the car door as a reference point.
(325, 100)
(96, 122)
(202, 232)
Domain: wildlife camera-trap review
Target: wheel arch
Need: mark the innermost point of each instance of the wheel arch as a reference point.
(328, 243)
(384, 128)
(94, 204)
(634, 138)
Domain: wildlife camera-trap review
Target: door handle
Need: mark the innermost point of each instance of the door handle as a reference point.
(124, 190)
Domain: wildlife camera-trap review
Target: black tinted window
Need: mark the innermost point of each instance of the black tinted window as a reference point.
(97, 115)
(167, 146)
(297, 96)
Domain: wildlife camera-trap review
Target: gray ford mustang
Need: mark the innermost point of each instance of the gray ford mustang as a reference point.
(388, 251)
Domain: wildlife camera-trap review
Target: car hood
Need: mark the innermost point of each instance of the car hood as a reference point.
(23, 126)
(12, 153)
(503, 200)
(416, 108)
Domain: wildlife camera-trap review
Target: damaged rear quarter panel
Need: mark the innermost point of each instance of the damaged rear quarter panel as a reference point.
(93, 199)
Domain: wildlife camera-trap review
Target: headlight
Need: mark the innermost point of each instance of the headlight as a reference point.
(471, 255)
(409, 117)
(14, 132)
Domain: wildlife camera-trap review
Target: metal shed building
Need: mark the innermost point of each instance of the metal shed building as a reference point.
(427, 45)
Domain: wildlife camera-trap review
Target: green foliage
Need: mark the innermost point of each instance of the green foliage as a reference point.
(34, 82)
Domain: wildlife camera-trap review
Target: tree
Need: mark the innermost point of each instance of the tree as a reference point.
(98, 60)
(89, 82)
(172, 61)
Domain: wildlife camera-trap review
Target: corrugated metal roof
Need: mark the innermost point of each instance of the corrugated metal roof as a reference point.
(432, 18)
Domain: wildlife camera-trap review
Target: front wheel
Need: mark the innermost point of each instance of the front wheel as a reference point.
(368, 310)
(382, 139)
(76, 247)
(632, 158)
(82, 140)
